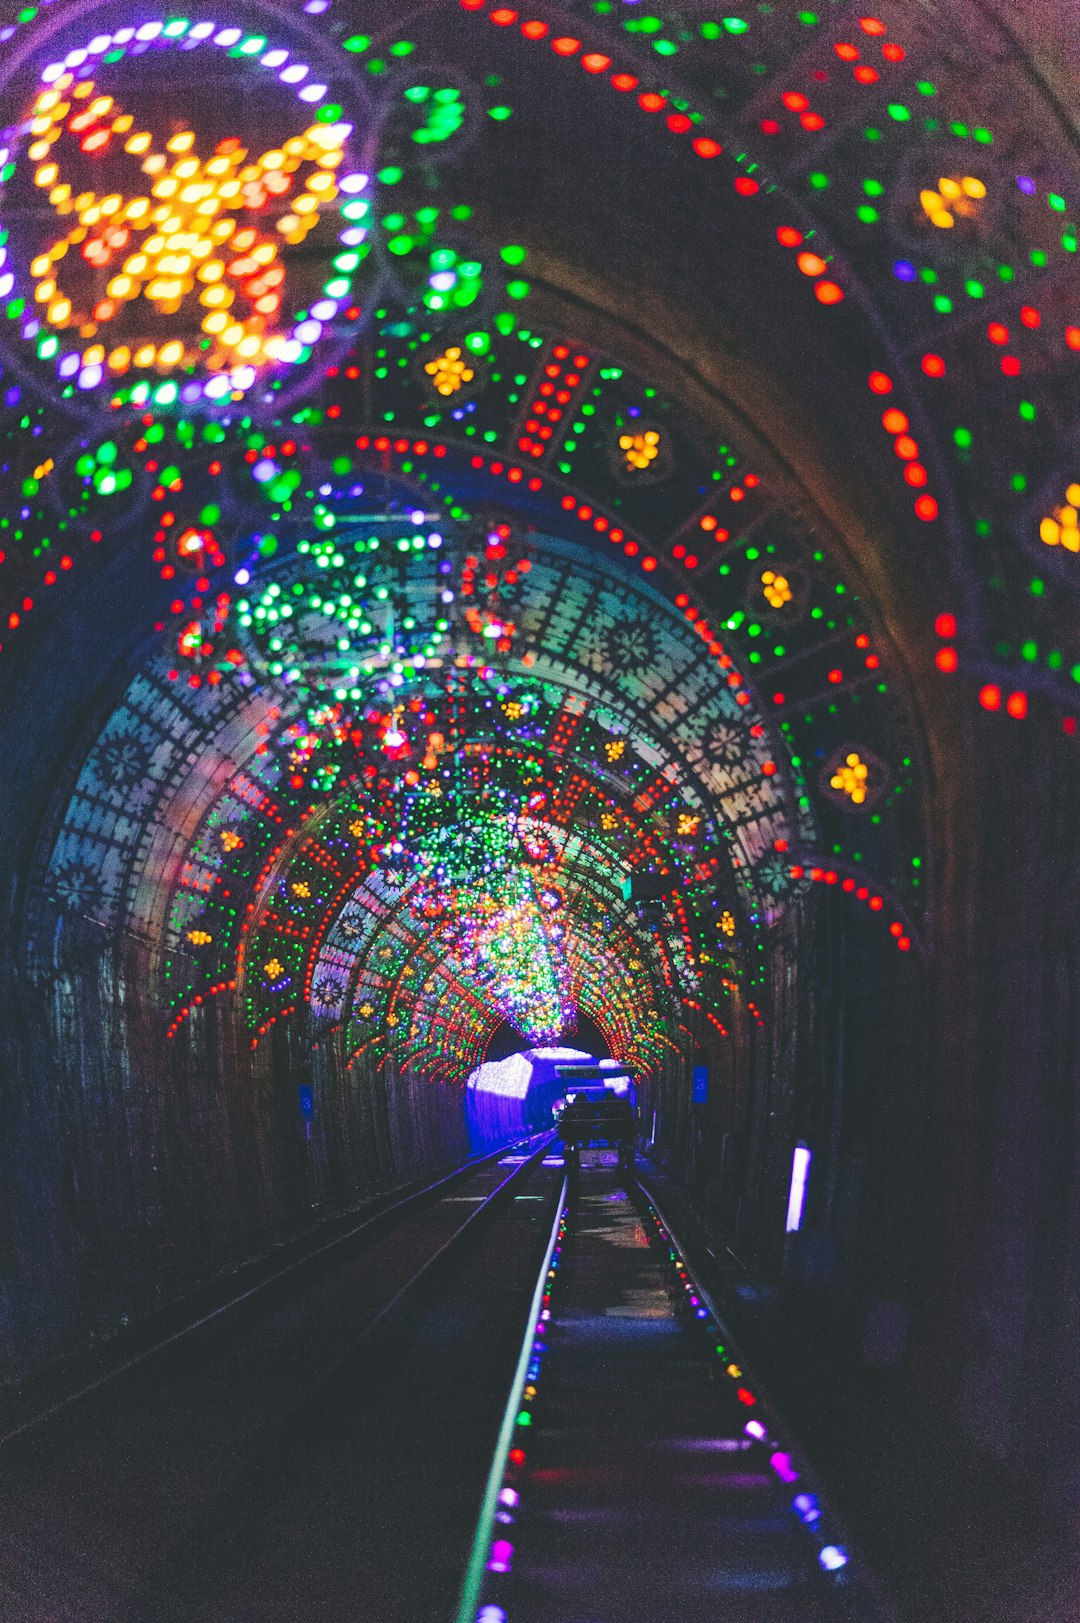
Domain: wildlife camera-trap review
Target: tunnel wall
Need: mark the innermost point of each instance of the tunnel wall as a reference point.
(839, 1061)
(136, 1170)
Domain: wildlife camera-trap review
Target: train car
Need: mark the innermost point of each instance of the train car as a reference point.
(594, 1120)
(525, 1093)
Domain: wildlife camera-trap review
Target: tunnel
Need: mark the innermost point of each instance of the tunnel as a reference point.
(544, 533)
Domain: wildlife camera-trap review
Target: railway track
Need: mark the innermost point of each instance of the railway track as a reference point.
(131, 1488)
(642, 1475)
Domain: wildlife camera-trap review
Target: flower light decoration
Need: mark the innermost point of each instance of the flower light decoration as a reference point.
(161, 269)
(776, 589)
(853, 778)
(1061, 527)
(450, 371)
(850, 777)
(640, 449)
(956, 197)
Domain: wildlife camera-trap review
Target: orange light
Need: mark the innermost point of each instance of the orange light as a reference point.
(828, 293)
(811, 264)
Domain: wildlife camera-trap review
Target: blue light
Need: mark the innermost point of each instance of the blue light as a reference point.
(904, 270)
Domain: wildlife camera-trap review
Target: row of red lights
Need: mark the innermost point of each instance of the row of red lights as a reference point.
(1031, 318)
(864, 73)
(991, 696)
(812, 265)
(211, 991)
(50, 578)
(721, 1028)
(862, 893)
(283, 1014)
(906, 447)
(554, 396)
(598, 64)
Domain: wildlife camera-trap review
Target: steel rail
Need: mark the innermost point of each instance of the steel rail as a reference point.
(478, 1555)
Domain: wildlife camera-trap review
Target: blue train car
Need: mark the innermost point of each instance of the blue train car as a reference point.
(507, 1098)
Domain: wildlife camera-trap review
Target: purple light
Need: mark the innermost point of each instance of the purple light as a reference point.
(781, 1464)
(904, 270)
(264, 470)
(1026, 185)
(800, 1171)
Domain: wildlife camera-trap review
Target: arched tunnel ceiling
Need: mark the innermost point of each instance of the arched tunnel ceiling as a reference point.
(700, 385)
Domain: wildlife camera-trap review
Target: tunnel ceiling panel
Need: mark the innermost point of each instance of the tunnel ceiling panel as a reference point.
(528, 481)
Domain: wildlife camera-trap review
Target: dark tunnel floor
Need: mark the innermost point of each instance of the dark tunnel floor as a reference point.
(101, 1497)
(364, 1510)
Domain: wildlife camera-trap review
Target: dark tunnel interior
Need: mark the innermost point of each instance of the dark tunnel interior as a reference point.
(558, 529)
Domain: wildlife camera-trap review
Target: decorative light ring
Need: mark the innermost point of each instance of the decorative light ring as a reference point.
(194, 232)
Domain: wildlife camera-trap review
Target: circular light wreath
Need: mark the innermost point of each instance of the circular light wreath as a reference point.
(310, 173)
